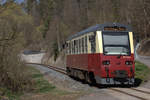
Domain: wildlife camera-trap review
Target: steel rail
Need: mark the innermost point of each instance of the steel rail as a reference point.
(141, 98)
(140, 90)
(61, 70)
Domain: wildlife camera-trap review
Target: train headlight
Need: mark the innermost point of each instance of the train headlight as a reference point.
(106, 62)
(129, 62)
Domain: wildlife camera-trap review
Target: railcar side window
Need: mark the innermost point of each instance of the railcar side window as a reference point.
(79, 46)
(75, 46)
(85, 44)
(82, 45)
(80, 42)
(93, 44)
(69, 48)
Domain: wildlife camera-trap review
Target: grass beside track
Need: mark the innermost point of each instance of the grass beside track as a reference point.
(40, 86)
(142, 72)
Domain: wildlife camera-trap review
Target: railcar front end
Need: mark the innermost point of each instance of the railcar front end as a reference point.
(116, 58)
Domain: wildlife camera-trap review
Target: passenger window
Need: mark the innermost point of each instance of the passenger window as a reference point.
(67, 45)
(93, 43)
(85, 44)
(82, 45)
(75, 47)
(79, 46)
(70, 48)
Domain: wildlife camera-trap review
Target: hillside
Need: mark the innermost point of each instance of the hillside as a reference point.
(144, 49)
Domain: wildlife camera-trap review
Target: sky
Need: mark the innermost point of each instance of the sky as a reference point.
(19, 1)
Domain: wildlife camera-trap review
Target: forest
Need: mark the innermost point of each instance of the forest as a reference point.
(57, 19)
(45, 25)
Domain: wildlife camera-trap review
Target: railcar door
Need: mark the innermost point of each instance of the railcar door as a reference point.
(93, 57)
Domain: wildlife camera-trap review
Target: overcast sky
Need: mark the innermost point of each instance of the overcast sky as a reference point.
(19, 1)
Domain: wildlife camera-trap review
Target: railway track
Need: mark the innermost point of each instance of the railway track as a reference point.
(60, 70)
(138, 93)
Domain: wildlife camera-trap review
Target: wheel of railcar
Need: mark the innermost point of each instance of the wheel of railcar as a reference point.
(68, 71)
(92, 78)
(87, 78)
(71, 72)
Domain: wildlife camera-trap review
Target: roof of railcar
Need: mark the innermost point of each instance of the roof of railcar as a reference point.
(98, 27)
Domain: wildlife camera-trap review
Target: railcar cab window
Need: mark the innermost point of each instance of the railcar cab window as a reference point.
(116, 43)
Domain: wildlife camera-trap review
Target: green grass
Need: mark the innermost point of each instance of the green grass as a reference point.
(40, 85)
(9, 94)
(142, 72)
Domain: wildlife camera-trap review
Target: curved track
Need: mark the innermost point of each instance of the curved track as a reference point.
(134, 92)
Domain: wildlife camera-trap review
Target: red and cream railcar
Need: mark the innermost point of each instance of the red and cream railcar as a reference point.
(103, 54)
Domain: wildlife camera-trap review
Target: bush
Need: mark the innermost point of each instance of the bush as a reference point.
(13, 23)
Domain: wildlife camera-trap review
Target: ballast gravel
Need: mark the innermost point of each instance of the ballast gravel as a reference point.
(63, 81)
